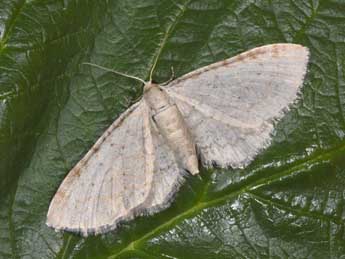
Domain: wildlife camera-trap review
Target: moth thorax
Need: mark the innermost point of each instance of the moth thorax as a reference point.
(156, 97)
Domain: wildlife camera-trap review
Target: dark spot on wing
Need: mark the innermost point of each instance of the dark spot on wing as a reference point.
(60, 195)
(275, 50)
(76, 171)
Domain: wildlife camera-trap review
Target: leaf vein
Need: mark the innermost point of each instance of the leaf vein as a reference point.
(296, 211)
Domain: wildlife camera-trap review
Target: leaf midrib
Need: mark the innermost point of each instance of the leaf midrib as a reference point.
(166, 36)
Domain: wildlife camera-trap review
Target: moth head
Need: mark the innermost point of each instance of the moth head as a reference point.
(149, 85)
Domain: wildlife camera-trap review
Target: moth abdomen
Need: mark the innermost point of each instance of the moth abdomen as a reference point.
(173, 128)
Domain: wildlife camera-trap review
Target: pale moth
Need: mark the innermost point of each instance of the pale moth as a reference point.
(222, 114)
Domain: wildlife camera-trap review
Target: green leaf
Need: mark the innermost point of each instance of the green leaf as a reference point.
(288, 203)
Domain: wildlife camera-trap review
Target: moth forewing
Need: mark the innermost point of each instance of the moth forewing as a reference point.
(103, 188)
(230, 106)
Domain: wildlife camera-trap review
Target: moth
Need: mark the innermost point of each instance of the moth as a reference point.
(222, 114)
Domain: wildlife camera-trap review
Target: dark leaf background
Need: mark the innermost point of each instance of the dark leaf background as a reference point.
(289, 203)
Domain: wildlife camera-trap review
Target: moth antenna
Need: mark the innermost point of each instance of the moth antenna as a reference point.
(114, 71)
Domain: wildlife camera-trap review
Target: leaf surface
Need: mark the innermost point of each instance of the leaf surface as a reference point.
(288, 203)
